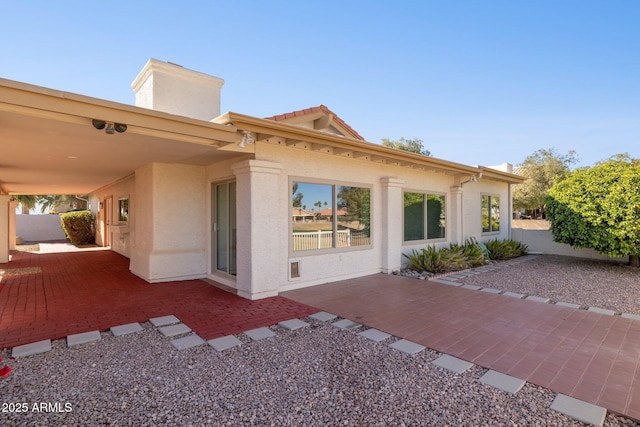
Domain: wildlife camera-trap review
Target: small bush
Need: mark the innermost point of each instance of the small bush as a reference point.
(457, 257)
(500, 250)
(78, 227)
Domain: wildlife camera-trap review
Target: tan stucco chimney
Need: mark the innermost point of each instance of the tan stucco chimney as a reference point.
(171, 88)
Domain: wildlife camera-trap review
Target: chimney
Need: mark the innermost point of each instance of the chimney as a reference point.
(168, 87)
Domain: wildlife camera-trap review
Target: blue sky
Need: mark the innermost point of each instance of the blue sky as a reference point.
(480, 82)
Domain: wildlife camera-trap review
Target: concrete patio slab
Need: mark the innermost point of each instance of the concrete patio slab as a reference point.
(293, 324)
(568, 304)
(538, 299)
(164, 320)
(579, 410)
(346, 324)
(260, 333)
(129, 328)
(601, 311)
(83, 338)
(173, 330)
(187, 342)
(323, 316)
(502, 381)
(374, 335)
(630, 316)
(224, 343)
(513, 295)
(452, 363)
(407, 347)
(31, 349)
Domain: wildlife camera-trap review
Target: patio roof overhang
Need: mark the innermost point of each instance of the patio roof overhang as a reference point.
(48, 144)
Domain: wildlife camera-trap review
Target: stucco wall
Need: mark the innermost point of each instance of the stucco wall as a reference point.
(121, 234)
(541, 241)
(39, 228)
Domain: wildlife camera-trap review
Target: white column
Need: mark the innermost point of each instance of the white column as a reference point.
(392, 226)
(4, 228)
(262, 241)
(12, 225)
(455, 230)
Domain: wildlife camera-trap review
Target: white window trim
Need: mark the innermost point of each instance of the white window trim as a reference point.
(446, 217)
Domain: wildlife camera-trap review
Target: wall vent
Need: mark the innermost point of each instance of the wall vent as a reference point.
(294, 269)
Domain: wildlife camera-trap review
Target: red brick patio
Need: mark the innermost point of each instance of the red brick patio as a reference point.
(83, 291)
(590, 356)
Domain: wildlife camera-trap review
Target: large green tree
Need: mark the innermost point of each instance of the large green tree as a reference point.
(599, 207)
(412, 145)
(544, 168)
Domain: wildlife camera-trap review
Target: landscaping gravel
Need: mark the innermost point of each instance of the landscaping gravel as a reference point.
(318, 375)
(589, 283)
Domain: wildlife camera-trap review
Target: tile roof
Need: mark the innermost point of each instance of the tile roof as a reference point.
(320, 108)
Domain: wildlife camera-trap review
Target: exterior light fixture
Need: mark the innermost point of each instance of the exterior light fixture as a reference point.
(109, 127)
(246, 139)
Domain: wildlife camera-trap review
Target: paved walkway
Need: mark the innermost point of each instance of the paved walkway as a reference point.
(590, 356)
(53, 295)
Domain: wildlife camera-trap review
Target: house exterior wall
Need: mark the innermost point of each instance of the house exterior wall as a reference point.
(472, 193)
(169, 241)
(122, 235)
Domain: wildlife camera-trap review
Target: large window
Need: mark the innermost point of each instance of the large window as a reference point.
(490, 214)
(424, 216)
(326, 216)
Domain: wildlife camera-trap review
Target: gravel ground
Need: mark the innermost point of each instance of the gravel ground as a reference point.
(318, 375)
(590, 283)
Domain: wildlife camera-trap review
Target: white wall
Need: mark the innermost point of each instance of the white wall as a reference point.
(39, 228)
(541, 241)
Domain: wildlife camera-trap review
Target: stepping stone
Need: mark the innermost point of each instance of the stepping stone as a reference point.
(129, 328)
(374, 335)
(164, 320)
(602, 311)
(472, 287)
(538, 299)
(187, 342)
(630, 316)
(513, 295)
(31, 349)
(173, 330)
(83, 338)
(260, 333)
(293, 324)
(323, 316)
(452, 363)
(579, 410)
(502, 381)
(445, 282)
(568, 304)
(224, 343)
(491, 290)
(346, 324)
(407, 347)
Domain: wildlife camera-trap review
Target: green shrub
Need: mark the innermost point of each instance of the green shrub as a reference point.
(500, 250)
(78, 227)
(457, 257)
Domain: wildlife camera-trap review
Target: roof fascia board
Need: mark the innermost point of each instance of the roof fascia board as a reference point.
(37, 101)
(285, 130)
(501, 176)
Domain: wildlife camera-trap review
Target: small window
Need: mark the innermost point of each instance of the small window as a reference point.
(490, 214)
(123, 209)
(424, 216)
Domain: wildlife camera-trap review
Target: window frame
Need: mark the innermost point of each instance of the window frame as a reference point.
(491, 197)
(334, 184)
(123, 210)
(425, 215)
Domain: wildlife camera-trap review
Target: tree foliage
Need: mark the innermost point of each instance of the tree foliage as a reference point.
(411, 145)
(544, 168)
(599, 208)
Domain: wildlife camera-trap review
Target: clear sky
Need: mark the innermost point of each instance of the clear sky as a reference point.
(480, 82)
